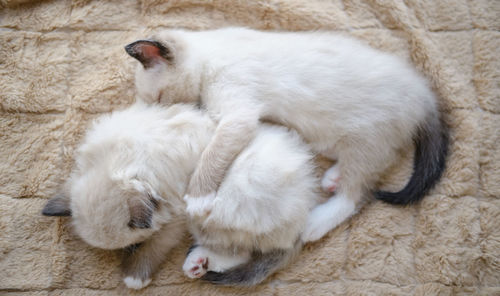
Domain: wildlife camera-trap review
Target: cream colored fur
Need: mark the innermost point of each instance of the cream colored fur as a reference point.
(63, 64)
(150, 152)
(348, 101)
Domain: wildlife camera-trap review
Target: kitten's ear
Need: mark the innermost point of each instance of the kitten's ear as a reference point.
(141, 211)
(57, 206)
(149, 52)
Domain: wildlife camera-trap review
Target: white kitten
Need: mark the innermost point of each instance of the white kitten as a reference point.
(130, 177)
(348, 101)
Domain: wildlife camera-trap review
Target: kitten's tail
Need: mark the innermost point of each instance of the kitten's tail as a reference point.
(431, 148)
(257, 269)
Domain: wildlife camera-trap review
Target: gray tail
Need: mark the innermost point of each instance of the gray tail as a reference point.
(431, 148)
(256, 270)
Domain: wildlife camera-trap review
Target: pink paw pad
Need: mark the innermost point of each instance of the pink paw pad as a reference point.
(331, 189)
(331, 179)
(200, 267)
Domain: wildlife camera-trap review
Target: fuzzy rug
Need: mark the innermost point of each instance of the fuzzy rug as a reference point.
(62, 64)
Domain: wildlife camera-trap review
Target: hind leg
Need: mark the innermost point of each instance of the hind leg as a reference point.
(201, 259)
(359, 165)
(327, 216)
(337, 209)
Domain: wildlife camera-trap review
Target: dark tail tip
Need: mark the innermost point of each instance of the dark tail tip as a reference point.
(431, 149)
(255, 271)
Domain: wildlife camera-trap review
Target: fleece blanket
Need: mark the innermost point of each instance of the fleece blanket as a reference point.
(62, 64)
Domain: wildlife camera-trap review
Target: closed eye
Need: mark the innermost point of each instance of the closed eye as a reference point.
(132, 248)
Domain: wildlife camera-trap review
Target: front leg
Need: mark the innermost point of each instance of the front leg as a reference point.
(199, 206)
(142, 260)
(232, 135)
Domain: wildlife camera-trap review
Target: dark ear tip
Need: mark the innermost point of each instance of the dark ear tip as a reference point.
(130, 48)
(47, 211)
(148, 51)
(57, 206)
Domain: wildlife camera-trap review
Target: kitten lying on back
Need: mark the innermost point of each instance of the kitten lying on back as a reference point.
(130, 177)
(348, 101)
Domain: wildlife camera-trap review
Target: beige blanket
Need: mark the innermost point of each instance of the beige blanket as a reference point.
(62, 63)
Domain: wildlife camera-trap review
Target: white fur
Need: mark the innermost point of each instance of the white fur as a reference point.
(327, 216)
(202, 259)
(265, 198)
(343, 97)
(136, 283)
(199, 206)
(148, 152)
(123, 157)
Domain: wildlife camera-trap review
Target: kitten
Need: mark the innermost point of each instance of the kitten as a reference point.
(130, 177)
(348, 101)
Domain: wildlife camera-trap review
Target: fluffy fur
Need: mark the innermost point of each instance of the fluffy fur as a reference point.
(131, 174)
(347, 100)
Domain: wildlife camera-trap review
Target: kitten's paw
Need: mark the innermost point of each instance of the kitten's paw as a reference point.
(195, 267)
(331, 179)
(136, 283)
(317, 225)
(199, 206)
(313, 232)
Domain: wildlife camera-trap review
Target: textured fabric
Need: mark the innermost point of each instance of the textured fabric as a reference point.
(62, 63)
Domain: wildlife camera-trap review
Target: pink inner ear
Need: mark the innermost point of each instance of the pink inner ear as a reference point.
(150, 51)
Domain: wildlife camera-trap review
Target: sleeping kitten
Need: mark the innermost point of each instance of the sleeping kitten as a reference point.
(348, 101)
(130, 177)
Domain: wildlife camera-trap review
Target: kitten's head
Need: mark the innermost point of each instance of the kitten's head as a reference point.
(164, 73)
(109, 212)
(130, 173)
